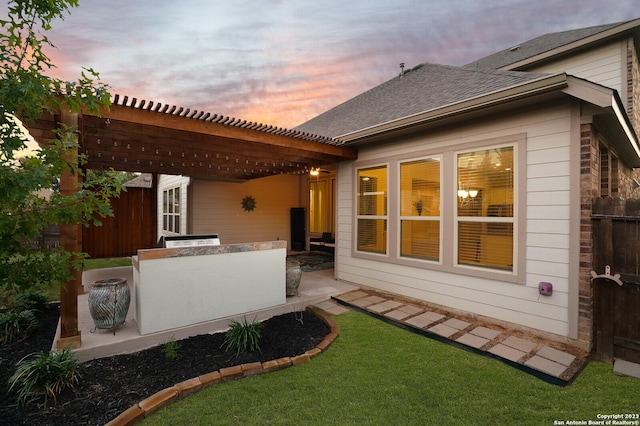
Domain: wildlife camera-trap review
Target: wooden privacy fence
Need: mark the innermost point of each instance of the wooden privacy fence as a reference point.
(616, 308)
(133, 226)
(48, 239)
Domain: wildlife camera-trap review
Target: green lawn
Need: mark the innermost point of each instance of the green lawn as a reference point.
(378, 374)
(107, 263)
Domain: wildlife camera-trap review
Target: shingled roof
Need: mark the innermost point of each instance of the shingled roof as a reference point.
(422, 88)
(539, 45)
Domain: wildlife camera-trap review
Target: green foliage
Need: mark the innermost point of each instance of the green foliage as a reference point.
(15, 325)
(171, 348)
(12, 297)
(119, 177)
(243, 335)
(26, 92)
(35, 302)
(45, 374)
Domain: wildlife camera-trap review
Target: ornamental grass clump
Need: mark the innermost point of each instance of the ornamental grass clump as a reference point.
(171, 348)
(243, 335)
(16, 325)
(45, 374)
(35, 302)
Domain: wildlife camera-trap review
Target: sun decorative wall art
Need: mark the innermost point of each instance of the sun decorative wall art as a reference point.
(248, 203)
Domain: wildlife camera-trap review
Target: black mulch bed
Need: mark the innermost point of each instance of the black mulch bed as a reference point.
(109, 386)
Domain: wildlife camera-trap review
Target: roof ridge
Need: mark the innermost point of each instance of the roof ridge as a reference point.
(425, 66)
(591, 27)
(541, 44)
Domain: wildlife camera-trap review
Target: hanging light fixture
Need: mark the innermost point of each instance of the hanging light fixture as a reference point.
(466, 195)
(314, 171)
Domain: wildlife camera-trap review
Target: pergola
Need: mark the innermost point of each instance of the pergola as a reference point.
(137, 136)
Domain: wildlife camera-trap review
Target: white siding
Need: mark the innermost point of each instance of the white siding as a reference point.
(547, 228)
(602, 65)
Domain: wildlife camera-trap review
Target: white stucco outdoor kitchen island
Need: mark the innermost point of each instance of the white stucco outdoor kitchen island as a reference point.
(177, 287)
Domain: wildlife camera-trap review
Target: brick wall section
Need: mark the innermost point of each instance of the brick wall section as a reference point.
(633, 110)
(619, 181)
(633, 85)
(589, 188)
(625, 176)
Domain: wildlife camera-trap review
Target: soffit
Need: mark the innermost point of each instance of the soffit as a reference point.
(619, 140)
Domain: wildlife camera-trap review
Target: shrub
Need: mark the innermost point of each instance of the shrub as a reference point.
(243, 335)
(45, 374)
(31, 301)
(171, 348)
(7, 298)
(16, 325)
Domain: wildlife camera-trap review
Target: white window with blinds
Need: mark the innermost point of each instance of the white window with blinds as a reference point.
(455, 209)
(371, 217)
(484, 214)
(420, 211)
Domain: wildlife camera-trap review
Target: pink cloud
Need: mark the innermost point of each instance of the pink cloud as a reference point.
(282, 63)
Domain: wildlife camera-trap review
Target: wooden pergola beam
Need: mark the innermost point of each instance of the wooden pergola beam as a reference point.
(163, 140)
(161, 150)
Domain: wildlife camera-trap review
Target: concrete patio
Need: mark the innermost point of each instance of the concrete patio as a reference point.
(549, 360)
(315, 287)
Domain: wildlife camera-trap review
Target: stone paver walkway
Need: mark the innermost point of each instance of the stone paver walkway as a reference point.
(551, 361)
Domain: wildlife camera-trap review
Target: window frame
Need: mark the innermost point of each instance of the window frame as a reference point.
(171, 211)
(385, 217)
(448, 206)
(484, 219)
(401, 217)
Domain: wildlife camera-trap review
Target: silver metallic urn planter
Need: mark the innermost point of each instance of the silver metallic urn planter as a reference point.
(109, 303)
(294, 273)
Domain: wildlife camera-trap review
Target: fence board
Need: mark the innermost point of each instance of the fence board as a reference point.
(132, 227)
(616, 309)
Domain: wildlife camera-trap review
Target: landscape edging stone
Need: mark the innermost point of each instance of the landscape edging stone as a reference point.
(160, 399)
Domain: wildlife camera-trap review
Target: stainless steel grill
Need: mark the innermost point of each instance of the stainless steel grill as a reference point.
(191, 240)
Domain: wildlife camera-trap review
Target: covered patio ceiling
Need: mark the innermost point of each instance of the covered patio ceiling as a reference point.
(136, 136)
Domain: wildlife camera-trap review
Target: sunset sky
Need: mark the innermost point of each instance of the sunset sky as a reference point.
(283, 62)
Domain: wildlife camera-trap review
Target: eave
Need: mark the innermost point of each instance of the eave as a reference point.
(540, 86)
(609, 116)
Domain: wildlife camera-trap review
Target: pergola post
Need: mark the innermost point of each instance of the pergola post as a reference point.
(70, 240)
